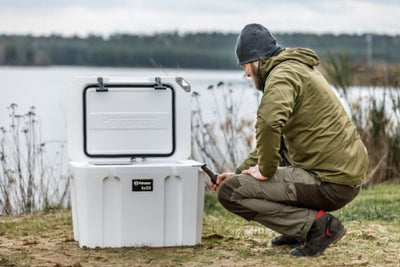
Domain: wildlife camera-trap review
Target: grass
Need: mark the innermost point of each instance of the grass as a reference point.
(373, 237)
(376, 203)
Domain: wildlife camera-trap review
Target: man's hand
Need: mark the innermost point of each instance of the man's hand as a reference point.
(255, 172)
(222, 177)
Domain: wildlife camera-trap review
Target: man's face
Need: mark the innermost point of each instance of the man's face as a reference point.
(251, 70)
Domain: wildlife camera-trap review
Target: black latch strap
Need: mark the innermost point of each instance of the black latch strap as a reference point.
(101, 87)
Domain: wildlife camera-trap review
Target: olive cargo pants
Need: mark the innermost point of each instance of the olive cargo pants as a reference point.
(286, 203)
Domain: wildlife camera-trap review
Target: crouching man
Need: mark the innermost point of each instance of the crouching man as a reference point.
(328, 160)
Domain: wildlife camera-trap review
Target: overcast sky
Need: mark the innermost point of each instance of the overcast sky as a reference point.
(105, 17)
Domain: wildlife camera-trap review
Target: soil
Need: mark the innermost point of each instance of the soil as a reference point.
(46, 239)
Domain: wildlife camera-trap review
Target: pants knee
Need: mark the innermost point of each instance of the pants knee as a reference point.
(225, 191)
(226, 188)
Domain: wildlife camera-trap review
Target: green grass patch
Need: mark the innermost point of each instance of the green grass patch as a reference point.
(6, 261)
(380, 202)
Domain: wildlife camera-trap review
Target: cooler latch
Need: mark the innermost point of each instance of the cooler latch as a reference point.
(158, 85)
(101, 87)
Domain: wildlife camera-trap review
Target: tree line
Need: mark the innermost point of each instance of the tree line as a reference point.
(174, 50)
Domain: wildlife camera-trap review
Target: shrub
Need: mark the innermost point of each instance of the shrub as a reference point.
(225, 138)
(30, 178)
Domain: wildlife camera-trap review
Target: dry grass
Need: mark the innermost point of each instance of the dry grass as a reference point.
(45, 239)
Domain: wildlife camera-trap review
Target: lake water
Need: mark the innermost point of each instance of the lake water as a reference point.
(46, 89)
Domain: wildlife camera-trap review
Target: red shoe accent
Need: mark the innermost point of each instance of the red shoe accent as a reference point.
(327, 232)
(319, 214)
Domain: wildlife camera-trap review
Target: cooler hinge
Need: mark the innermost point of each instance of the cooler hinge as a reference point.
(158, 85)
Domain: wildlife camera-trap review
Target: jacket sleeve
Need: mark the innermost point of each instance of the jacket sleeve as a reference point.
(250, 161)
(274, 110)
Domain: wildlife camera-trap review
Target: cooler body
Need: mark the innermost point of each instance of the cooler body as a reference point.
(128, 146)
(137, 205)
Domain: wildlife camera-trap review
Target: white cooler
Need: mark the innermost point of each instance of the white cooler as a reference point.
(128, 145)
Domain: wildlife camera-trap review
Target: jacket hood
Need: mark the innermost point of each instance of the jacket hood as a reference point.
(303, 55)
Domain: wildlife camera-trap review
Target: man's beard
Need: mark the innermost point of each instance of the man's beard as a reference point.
(258, 82)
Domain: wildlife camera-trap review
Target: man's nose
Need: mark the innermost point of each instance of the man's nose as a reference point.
(247, 72)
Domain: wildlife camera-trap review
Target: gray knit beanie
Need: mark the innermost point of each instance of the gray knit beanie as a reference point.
(255, 41)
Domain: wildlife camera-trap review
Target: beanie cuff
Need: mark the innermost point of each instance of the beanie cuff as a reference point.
(240, 63)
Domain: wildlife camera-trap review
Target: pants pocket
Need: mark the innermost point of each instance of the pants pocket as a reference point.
(246, 191)
(291, 192)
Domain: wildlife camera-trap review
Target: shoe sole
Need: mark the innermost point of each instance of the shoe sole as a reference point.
(335, 238)
(340, 235)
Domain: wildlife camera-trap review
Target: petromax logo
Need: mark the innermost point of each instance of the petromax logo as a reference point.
(142, 185)
(148, 120)
(129, 123)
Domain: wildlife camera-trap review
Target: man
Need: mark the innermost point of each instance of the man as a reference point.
(328, 159)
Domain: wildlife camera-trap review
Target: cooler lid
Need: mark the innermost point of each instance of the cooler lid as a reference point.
(129, 120)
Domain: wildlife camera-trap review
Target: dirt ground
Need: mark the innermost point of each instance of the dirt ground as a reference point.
(46, 239)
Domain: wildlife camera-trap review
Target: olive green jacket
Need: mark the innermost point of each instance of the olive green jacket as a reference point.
(299, 104)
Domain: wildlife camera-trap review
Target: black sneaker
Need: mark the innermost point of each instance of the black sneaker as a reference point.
(325, 230)
(284, 240)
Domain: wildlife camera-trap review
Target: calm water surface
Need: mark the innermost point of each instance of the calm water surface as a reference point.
(46, 89)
